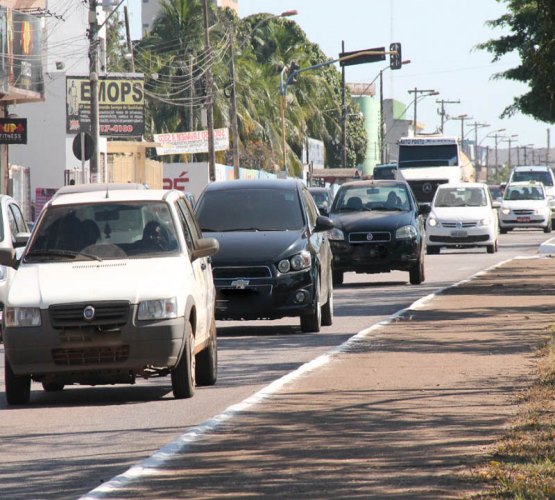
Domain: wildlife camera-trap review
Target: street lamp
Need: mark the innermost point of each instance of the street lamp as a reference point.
(232, 93)
(424, 93)
(510, 139)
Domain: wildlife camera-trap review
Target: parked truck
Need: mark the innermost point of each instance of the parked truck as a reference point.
(426, 161)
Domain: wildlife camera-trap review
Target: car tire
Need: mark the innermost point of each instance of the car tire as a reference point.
(207, 360)
(503, 230)
(18, 387)
(183, 375)
(547, 229)
(492, 248)
(416, 274)
(337, 278)
(52, 386)
(432, 250)
(327, 308)
(311, 321)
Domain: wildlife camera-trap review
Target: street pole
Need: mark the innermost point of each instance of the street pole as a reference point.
(442, 113)
(233, 109)
(382, 121)
(128, 38)
(283, 103)
(496, 160)
(93, 78)
(417, 91)
(343, 115)
(209, 93)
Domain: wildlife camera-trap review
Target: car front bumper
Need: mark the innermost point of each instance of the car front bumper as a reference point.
(91, 355)
(511, 221)
(270, 297)
(375, 257)
(470, 237)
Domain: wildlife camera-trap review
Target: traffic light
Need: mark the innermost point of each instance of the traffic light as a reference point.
(395, 61)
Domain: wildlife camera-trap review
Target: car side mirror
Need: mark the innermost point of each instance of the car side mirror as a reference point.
(424, 209)
(21, 239)
(8, 257)
(496, 204)
(323, 223)
(205, 247)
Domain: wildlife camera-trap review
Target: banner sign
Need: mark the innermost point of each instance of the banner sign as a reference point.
(13, 130)
(120, 105)
(191, 142)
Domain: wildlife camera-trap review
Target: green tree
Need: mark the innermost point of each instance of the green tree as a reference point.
(116, 45)
(532, 28)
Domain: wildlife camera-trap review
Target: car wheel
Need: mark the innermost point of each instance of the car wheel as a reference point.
(18, 387)
(503, 230)
(337, 277)
(52, 386)
(183, 375)
(547, 229)
(327, 308)
(491, 248)
(311, 322)
(207, 360)
(432, 250)
(416, 274)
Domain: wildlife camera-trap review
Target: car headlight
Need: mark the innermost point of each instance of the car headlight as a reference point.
(405, 232)
(541, 210)
(157, 309)
(298, 262)
(336, 234)
(22, 316)
(505, 211)
(485, 221)
(432, 222)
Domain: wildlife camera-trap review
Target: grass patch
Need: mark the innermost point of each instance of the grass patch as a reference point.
(523, 463)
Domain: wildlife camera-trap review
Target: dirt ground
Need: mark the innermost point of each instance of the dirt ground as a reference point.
(403, 412)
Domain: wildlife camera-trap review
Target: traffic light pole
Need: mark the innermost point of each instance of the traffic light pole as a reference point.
(93, 78)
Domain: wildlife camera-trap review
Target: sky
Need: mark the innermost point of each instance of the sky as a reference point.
(439, 38)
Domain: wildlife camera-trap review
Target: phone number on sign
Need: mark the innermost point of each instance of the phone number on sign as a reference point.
(118, 129)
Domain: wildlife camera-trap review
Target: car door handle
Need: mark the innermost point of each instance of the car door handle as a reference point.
(203, 266)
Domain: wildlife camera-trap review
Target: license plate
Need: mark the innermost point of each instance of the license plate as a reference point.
(523, 219)
(459, 234)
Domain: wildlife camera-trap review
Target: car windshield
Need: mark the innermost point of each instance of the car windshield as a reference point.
(103, 231)
(533, 175)
(524, 193)
(360, 198)
(256, 209)
(320, 197)
(461, 197)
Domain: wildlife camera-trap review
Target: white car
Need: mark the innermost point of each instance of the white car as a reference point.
(115, 283)
(525, 205)
(537, 173)
(14, 233)
(462, 216)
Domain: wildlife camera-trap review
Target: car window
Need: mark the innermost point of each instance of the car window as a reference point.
(311, 208)
(524, 193)
(107, 230)
(461, 197)
(19, 220)
(190, 228)
(372, 197)
(542, 176)
(256, 209)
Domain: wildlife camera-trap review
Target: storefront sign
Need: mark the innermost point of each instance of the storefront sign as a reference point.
(191, 142)
(13, 130)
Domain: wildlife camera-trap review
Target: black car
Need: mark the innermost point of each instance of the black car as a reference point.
(388, 171)
(323, 198)
(274, 259)
(379, 227)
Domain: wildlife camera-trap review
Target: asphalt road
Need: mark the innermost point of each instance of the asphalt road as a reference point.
(64, 445)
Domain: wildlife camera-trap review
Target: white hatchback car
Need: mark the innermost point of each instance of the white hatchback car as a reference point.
(462, 216)
(115, 283)
(525, 205)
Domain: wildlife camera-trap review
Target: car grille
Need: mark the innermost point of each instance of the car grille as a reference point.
(370, 237)
(424, 190)
(241, 272)
(460, 224)
(90, 355)
(106, 314)
(523, 212)
(462, 239)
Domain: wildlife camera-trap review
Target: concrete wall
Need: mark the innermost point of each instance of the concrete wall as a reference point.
(370, 108)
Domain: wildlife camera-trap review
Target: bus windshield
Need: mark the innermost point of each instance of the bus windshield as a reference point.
(437, 155)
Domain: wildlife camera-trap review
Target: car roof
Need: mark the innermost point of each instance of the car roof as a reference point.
(103, 193)
(525, 183)
(282, 184)
(531, 168)
(462, 185)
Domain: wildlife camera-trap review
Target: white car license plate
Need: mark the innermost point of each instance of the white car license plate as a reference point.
(459, 234)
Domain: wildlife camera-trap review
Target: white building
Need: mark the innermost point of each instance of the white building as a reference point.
(48, 151)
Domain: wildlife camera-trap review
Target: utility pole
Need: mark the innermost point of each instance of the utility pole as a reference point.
(343, 115)
(442, 113)
(233, 108)
(209, 94)
(128, 38)
(547, 158)
(462, 118)
(382, 121)
(417, 91)
(477, 125)
(93, 78)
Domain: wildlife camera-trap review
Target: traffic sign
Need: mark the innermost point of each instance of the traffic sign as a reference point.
(88, 149)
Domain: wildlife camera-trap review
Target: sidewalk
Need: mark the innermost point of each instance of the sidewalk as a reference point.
(404, 412)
